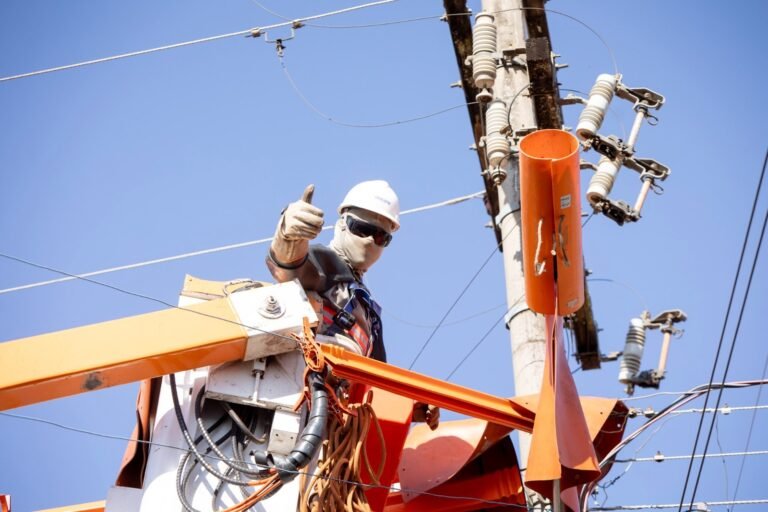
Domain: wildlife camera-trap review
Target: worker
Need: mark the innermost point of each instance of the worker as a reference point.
(368, 216)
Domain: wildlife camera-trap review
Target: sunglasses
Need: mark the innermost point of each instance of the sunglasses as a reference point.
(365, 229)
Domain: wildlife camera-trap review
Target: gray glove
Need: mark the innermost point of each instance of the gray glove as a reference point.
(299, 223)
(301, 220)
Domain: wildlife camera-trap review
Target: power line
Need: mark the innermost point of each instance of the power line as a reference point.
(454, 322)
(216, 458)
(456, 301)
(482, 339)
(71, 277)
(142, 296)
(736, 330)
(685, 397)
(333, 120)
(196, 41)
(706, 504)
(725, 410)
(661, 458)
(751, 426)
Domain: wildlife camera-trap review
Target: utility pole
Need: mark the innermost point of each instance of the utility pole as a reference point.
(525, 84)
(526, 329)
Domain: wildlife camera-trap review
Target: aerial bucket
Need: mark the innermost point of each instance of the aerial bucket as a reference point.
(551, 222)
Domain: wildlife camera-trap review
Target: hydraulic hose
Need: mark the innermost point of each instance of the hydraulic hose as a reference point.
(311, 436)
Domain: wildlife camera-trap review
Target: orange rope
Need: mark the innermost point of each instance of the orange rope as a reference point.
(335, 486)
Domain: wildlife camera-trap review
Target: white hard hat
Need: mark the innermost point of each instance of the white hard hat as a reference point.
(375, 196)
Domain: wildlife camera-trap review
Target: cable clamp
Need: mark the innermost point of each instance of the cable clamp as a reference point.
(506, 209)
(512, 313)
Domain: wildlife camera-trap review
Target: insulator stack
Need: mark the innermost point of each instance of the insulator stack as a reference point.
(600, 97)
(483, 51)
(496, 143)
(633, 351)
(602, 182)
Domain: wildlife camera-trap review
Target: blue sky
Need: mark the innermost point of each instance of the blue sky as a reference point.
(202, 146)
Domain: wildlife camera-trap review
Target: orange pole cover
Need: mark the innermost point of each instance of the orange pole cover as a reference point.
(551, 222)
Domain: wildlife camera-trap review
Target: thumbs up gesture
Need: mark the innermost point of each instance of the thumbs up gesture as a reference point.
(302, 220)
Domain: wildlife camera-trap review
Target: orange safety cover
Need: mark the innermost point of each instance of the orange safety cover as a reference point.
(561, 444)
(394, 414)
(551, 222)
(463, 465)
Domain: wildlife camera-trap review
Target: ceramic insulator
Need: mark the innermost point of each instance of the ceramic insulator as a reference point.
(633, 351)
(593, 114)
(483, 50)
(602, 182)
(496, 144)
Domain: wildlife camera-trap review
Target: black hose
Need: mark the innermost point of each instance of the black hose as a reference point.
(311, 436)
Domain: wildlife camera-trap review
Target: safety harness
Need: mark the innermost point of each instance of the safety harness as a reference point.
(333, 271)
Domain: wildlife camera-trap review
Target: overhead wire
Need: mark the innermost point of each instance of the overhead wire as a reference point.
(453, 322)
(673, 505)
(661, 458)
(481, 340)
(725, 324)
(749, 433)
(196, 41)
(685, 397)
(456, 301)
(449, 202)
(333, 120)
(217, 459)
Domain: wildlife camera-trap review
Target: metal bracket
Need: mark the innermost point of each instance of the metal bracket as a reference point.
(618, 211)
(666, 319)
(610, 146)
(648, 168)
(640, 96)
(512, 313)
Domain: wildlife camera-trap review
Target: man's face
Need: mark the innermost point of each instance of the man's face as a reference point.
(361, 235)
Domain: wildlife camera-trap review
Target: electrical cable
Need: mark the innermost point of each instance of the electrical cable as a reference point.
(481, 340)
(685, 398)
(72, 277)
(673, 505)
(751, 426)
(662, 458)
(446, 324)
(637, 294)
(722, 333)
(195, 41)
(188, 438)
(325, 116)
(456, 301)
(161, 445)
(147, 297)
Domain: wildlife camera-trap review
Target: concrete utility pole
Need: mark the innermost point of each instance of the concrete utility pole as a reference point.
(526, 329)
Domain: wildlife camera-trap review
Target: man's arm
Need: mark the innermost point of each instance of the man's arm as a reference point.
(299, 223)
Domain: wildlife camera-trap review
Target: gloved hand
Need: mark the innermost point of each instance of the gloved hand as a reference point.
(302, 220)
(425, 413)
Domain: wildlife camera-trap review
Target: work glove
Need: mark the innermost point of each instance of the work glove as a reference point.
(425, 413)
(299, 223)
(301, 220)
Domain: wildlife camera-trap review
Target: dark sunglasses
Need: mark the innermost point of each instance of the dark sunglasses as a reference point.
(365, 229)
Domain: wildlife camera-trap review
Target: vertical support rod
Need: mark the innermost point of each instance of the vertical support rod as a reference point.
(662, 368)
(633, 134)
(526, 329)
(642, 195)
(557, 502)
